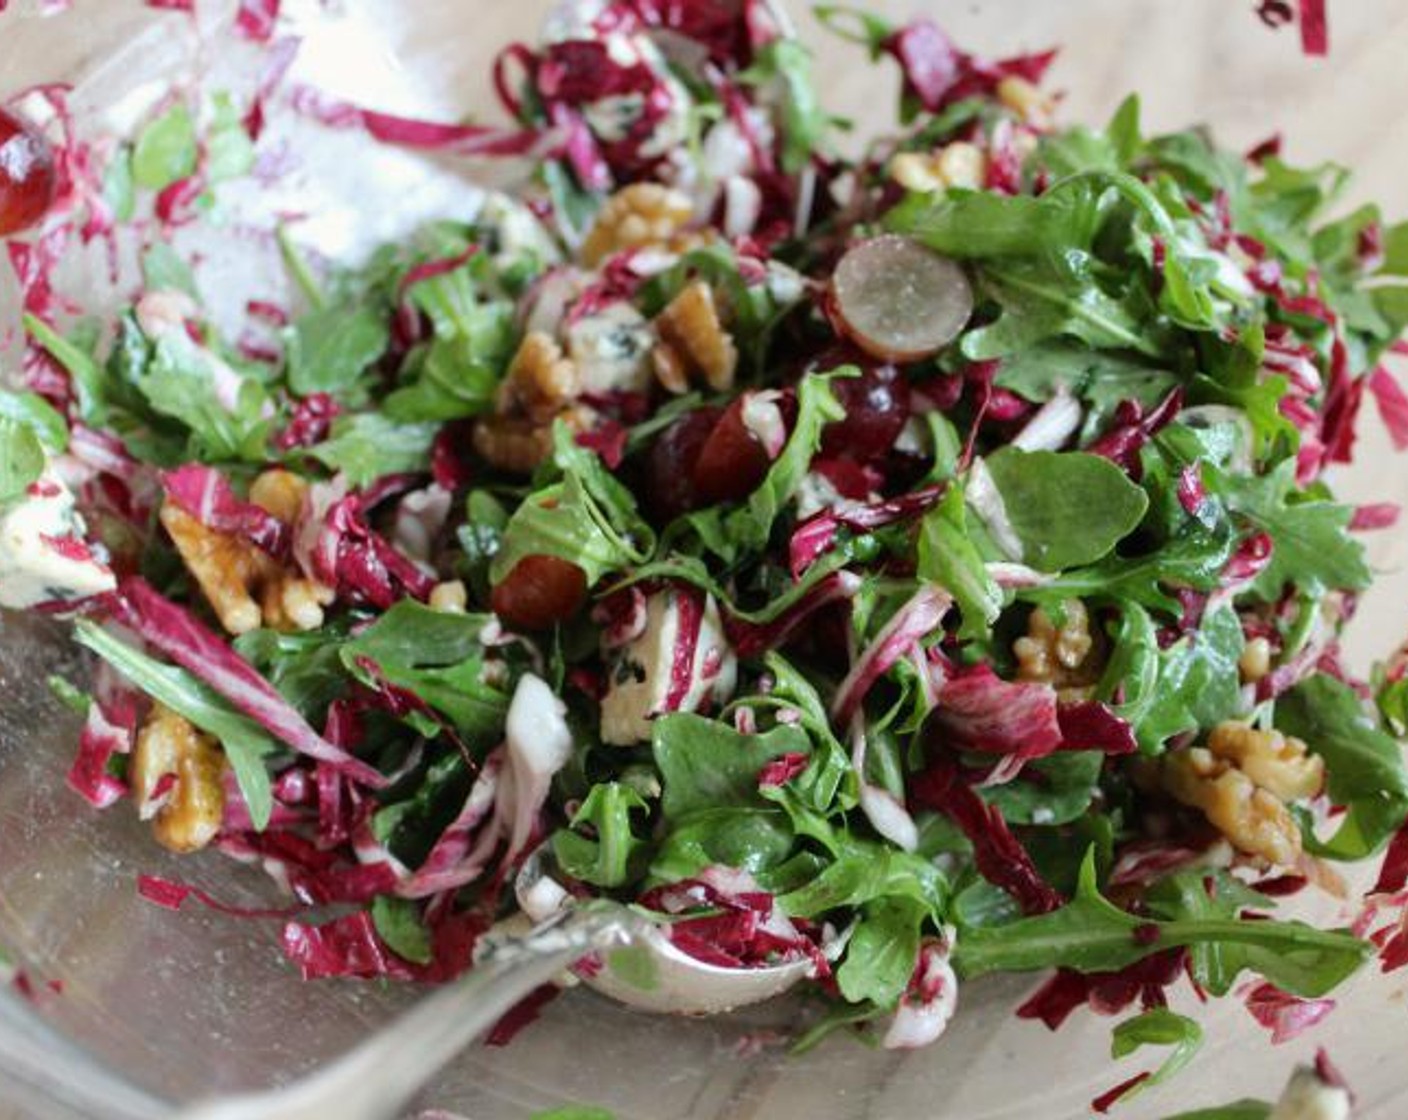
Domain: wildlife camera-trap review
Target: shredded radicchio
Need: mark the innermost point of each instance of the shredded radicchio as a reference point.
(174, 631)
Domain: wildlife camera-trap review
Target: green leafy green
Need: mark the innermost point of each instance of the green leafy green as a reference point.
(229, 151)
(166, 149)
(245, 743)
(369, 445)
(1091, 934)
(398, 923)
(329, 349)
(786, 64)
(599, 845)
(22, 458)
(1067, 508)
(1363, 765)
(706, 764)
(1157, 1027)
(947, 556)
(439, 657)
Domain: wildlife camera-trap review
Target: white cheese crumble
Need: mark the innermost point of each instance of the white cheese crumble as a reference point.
(611, 349)
(1308, 1098)
(640, 684)
(43, 557)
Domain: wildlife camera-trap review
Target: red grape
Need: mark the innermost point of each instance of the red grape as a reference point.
(539, 592)
(668, 484)
(877, 406)
(732, 461)
(898, 301)
(27, 176)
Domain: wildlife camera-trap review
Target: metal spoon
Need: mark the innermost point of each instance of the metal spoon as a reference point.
(639, 966)
(652, 974)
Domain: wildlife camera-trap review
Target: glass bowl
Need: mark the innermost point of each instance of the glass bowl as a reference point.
(188, 1004)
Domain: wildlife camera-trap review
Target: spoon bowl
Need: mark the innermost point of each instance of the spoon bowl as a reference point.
(649, 972)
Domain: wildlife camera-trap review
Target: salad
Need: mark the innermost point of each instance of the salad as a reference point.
(919, 565)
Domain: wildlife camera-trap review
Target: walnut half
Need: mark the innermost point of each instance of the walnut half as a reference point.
(693, 342)
(246, 587)
(1242, 781)
(1064, 656)
(176, 774)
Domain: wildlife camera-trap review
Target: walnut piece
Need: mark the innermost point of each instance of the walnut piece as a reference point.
(642, 215)
(959, 164)
(246, 587)
(693, 342)
(541, 386)
(1242, 781)
(176, 773)
(1063, 656)
(1026, 99)
(1253, 819)
(540, 381)
(1279, 764)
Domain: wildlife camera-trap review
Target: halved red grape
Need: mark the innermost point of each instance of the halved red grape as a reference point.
(733, 459)
(877, 406)
(899, 301)
(668, 485)
(27, 176)
(539, 592)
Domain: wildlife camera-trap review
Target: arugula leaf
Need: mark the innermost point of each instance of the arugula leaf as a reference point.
(118, 189)
(1091, 934)
(329, 349)
(438, 656)
(245, 743)
(306, 668)
(861, 872)
(87, 376)
(1313, 549)
(22, 458)
(370, 445)
(1051, 791)
(397, 922)
(1068, 508)
(948, 557)
(608, 854)
(982, 225)
(32, 411)
(1238, 1110)
(706, 764)
(1041, 298)
(455, 379)
(1157, 1027)
(1192, 558)
(882, 950)
(180, 381)
(751, 525)
(229, 151)
(786, 64)
(1099, 379)
(565, 520)
(1363, 765)
(751, 839)
(1198, 684)
(166, 150)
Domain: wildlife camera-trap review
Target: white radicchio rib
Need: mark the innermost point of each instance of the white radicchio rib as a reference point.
(930, 1000)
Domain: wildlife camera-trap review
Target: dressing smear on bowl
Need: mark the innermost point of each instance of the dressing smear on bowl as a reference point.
(920, 565)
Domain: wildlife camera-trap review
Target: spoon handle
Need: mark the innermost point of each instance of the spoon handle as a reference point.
(377, 1077)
